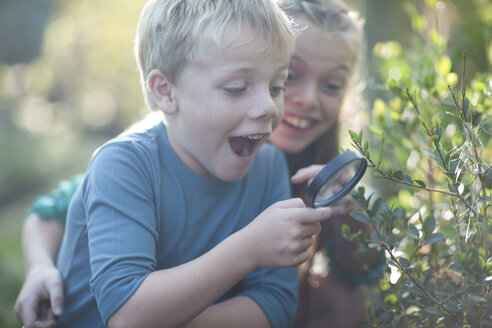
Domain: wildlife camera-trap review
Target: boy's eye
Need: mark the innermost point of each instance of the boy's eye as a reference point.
(235, 91)
(276, 91)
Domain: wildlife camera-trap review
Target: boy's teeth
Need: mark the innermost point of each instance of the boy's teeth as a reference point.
(254, 136)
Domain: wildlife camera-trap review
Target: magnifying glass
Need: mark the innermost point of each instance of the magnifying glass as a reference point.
(336, 179)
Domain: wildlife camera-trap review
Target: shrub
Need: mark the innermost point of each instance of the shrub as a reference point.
(430, 142)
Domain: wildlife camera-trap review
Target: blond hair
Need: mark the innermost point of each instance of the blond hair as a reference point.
(171, 33)
(333, 16)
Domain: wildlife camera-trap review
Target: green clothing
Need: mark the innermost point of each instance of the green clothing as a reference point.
(54, 205)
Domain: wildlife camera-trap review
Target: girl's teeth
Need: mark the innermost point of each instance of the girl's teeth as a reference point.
(298, 122)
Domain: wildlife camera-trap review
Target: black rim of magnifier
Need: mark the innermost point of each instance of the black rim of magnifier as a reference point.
(328, 171)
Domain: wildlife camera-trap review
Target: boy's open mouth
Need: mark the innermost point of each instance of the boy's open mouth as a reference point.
(245, 145)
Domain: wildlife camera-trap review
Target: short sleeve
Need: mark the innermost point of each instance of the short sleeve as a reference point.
(118, 196)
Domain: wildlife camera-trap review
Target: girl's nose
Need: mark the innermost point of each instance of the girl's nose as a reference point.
(304, 98)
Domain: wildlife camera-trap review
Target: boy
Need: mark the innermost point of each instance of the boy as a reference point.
(175, 225)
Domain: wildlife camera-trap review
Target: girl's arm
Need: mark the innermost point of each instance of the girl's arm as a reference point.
(41, 296)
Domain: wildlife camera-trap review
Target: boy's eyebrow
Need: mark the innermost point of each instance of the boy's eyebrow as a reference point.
(249, 69)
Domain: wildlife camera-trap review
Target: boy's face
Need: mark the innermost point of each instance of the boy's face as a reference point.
(228, 103)
(319, 71)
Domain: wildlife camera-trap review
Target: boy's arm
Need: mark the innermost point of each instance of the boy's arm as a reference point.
(176, 295)
(279, 237)
(231, 313)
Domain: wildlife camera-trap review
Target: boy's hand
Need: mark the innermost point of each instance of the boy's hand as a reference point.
(282, 234)
(43, 286)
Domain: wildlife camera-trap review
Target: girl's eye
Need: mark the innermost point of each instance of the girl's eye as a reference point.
(276, 91)
(332, 88)
(291, 76)
(235, 91)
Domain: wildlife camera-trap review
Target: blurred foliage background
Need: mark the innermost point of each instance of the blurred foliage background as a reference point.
(68, 82)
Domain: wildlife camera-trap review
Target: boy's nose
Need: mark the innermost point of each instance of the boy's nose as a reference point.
(264, 107)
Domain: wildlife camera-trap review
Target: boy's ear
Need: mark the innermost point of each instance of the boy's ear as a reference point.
(161, 91)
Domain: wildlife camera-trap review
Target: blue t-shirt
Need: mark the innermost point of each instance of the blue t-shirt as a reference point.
(140, 209)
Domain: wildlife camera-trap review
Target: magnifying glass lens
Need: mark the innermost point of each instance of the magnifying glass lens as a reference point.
(337, 182)
(336, 179)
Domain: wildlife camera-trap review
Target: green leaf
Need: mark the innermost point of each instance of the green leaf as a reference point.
(451, 305)
(433, 238)
(430, 80)
(404, 262)
(398, 175)
(420, 183)
(391, 299)
(433, 310)
(413, 232)
(456, 267)
(345, 230)
(430, 152)
(439, 132)
(375, 237)
(429, 224)
(444, 65)
(484, 227)
(359, 216)
(476, 299)
(407, 179)
(378, 203)
(353, 135)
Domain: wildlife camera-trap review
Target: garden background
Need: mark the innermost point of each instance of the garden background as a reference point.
(68, 82)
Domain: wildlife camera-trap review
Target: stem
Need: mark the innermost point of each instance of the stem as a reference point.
(436, 144)
(409, 274)
(401, 267)
(467, 126)
(457, 226)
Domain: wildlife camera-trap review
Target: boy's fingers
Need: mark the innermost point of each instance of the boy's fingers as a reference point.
(312, 215)
(292, 202)
(303, 257)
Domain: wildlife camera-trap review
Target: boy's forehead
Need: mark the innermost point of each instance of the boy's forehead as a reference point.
(241, 53)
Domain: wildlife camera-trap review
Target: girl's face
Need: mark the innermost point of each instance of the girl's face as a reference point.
(319, 72)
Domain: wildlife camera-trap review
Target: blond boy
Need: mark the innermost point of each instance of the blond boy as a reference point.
(188, 222)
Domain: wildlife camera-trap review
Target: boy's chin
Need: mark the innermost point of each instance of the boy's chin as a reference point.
(233, 174)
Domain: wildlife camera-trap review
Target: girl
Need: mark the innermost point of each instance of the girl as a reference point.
(324, 80)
